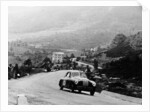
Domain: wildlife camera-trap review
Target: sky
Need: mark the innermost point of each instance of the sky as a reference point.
(30, 20)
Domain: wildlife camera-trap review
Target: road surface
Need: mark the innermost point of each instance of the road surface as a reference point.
(43, 89)
(82, 63)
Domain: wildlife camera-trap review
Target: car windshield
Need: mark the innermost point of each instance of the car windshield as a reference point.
(83, 75)
(75, 74)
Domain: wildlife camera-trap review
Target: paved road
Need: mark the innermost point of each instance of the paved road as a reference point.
(82, 63)
(43, 89)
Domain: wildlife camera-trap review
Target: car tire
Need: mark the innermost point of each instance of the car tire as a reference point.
(60, 84)
(72, 90)
(72, 87)
(79, 91)
(61, 87)
(92, 93)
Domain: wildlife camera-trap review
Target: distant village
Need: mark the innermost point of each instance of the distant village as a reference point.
(18, 48)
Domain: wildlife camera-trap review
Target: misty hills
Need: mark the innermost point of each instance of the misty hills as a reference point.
(73, 27)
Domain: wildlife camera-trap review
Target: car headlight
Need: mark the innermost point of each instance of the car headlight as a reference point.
(93, 83)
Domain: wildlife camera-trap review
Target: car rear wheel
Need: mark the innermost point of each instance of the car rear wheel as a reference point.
(79, 91)
(72, 90)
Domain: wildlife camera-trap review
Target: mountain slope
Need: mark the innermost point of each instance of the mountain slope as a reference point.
(122, 45)
(73, 27)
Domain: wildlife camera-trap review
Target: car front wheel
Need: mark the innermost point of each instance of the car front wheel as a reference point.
(92, 92)
(72, 87)
(61, 87)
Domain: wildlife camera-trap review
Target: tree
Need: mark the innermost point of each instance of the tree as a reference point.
(47, 59)
(28, 62)
(119, 39)
(28, 65)
(72, 56)
(66, 57)
(95, 64)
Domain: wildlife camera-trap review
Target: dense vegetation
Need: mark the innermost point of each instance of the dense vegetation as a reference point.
(129, 66)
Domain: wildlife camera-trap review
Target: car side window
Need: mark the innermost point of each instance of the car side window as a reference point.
(68, 74)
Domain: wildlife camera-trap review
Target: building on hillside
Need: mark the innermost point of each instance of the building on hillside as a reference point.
(57, 57)
(94, 49)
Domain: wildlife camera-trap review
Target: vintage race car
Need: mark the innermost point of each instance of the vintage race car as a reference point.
(77, 80)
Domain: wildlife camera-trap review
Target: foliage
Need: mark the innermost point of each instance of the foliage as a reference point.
(47, 59)
(28, 62)
(126, 68)
(123, 46)
(72, 56)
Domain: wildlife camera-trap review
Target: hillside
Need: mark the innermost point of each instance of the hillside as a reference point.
(123, 46)
(130, 49)
(73, 27)
(129, 67)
